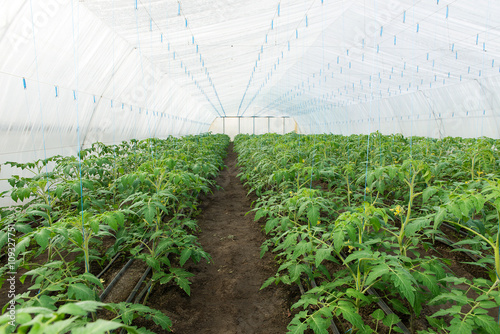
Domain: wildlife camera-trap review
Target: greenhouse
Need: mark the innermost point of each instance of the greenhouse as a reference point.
(230, 166)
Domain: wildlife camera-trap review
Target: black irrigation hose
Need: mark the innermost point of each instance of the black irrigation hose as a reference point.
(109, 264)
(116, 279)
(455, 229)
(138, 285)
(142, 293)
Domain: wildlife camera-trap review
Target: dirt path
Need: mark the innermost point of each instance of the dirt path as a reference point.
(225, 296)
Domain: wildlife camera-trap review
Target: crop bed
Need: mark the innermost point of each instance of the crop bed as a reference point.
(360, 220)
(113, 212)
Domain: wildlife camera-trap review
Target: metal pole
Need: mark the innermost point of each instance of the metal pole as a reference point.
(253, 124)
(283, 125)
(239, 124)
(223, 125)
(268, 124)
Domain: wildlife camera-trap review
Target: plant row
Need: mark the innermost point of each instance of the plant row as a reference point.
(364, 212)
(138, 194)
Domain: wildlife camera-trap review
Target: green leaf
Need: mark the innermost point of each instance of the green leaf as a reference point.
(390, 320)
(487, 323)
(376, 272)
(98, 327)
(322, 254)
(296, 326)
(402, 281)
(72, 309)
(80, 291)
(295, 270)
(268, 282)
(439, 217)
(21, 245)
(60, 326)
(349, 313)
(313, 215)
(185, 254)
(110, 220)
(428, 193)
(271, 224)
(162, 320)
(94, 225)
(338, 240)
(93, 279)
(378, 314)
(149, 212)
(153, 263)
(183, 284)
(318, 324)
(358, 254)
(42, 237)
(460, 327)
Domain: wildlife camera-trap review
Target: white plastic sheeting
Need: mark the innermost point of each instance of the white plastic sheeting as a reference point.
(428, 68)
(73, 72)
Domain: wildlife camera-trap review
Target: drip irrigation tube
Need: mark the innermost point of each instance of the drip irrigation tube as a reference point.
(138, 285)
(109, 264)
(116, 279)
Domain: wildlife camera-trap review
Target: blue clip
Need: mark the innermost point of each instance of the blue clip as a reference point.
(57, 93)
(381, 30)
(24, 83)
(394, 39)
(74, 95)
(447, 10)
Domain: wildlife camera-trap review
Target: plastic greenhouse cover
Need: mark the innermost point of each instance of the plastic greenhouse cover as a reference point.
(75, 72)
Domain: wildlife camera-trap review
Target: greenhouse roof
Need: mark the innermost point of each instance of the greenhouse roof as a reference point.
(110, 70)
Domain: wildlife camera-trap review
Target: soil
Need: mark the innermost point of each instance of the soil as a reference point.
(225, 295)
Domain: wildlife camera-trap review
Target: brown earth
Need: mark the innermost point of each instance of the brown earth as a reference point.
(225, 295)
